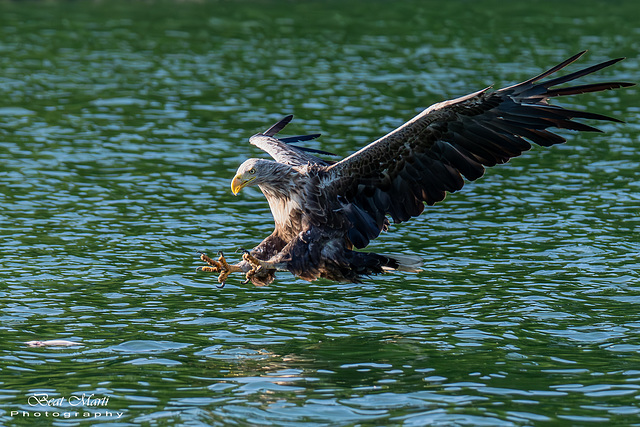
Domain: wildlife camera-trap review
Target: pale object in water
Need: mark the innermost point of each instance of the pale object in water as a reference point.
(51, 343)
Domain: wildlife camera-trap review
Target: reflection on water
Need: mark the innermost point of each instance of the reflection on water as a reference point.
(120, 129)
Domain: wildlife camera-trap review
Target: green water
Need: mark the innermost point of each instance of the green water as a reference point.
(121, 125)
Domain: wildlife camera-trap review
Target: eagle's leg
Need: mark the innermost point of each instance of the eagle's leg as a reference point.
(220, 266)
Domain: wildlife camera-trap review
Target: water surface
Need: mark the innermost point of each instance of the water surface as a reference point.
(121, 126)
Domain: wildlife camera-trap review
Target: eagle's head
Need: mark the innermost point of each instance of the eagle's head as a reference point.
(256, 172)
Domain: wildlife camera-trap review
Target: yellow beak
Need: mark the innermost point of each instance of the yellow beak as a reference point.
(238, 183)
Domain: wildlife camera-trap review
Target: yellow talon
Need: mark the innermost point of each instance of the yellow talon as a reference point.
(218, 266)
(255, 262)
(214, 265)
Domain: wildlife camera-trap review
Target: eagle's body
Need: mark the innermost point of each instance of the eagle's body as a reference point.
(324, 210)
(309, 239)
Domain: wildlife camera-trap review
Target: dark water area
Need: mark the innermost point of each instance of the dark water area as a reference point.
(121, 126)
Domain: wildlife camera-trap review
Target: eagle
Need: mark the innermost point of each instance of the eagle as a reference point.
(326, 211)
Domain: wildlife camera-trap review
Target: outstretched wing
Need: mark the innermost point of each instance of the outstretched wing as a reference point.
(428, 156)
(281, 149)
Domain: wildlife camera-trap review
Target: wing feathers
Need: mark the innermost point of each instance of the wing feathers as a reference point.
(428, 156)
(278, 126)
(553, 69)
(482, 153)
(460, 159)
(542, 138)
(576, 90)
(281, 149)
(299, 138)
(579, 73)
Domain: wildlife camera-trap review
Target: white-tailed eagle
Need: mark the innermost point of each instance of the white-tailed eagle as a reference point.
(325, 210)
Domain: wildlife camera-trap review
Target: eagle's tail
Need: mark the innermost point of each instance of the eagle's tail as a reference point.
(406, 263)
(362, 264)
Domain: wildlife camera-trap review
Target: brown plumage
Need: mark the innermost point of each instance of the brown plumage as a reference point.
(323, 210)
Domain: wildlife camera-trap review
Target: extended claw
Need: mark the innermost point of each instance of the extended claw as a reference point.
(226, 268)
(213, 267)
(218, 266)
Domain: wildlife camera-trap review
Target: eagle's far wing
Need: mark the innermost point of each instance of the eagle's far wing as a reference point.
(430, 154)
(281, 149)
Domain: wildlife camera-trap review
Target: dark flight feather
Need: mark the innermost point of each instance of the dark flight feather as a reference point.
(273, 130)
(282, 150)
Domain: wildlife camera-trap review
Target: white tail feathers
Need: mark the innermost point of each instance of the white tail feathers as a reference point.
(407, 263)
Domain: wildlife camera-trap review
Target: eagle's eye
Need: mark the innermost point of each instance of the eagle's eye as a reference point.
(252, 171)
